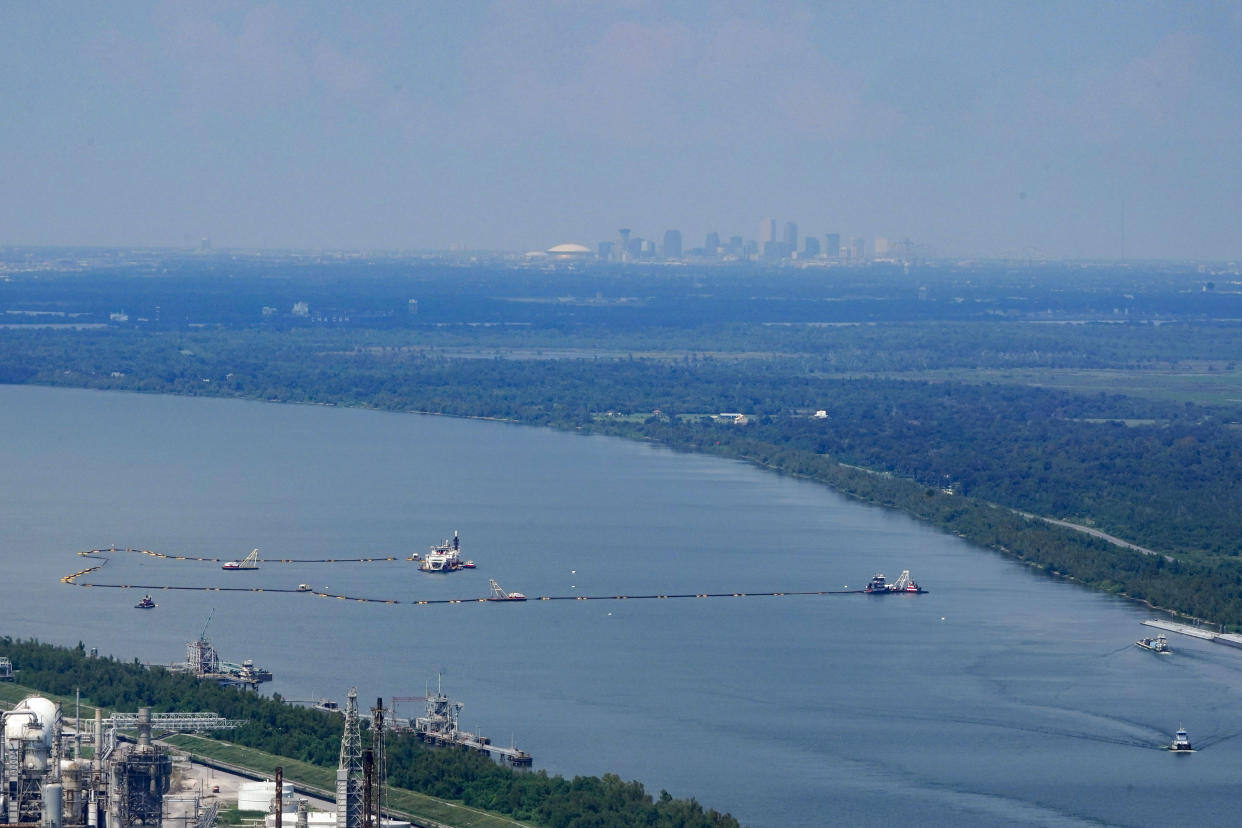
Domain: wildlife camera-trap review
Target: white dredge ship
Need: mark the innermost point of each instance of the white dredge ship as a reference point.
(445, 557)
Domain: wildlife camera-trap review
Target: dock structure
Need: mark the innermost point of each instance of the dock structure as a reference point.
(439, 727)
(202, 661)
(1228, 639)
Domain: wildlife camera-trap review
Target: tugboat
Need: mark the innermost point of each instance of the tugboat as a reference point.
(145, 603)
(1159, 644)
(1181, 742)
(499, 594)
(903, 584)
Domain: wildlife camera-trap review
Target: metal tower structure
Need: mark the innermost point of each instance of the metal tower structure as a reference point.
(140, 774)
(349, 768)
(140, 778)
(379, 772)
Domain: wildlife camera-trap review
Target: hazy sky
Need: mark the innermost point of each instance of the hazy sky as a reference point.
(1068, 129)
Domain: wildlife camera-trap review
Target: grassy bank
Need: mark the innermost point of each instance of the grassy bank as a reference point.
(408, 803)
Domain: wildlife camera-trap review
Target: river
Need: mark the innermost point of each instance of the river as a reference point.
(999, 697)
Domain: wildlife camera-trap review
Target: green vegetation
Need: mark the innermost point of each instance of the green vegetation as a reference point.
(236, 816)
(449, 786)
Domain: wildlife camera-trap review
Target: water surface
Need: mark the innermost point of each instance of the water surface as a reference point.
(1001, 697)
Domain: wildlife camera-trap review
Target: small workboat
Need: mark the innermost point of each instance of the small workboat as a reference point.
(1181, 742)
(1159, 644)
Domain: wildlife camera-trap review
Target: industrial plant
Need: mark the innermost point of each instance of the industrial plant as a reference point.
(46, 777)
(58, 772)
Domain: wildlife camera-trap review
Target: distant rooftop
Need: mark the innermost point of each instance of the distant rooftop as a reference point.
(569, 249)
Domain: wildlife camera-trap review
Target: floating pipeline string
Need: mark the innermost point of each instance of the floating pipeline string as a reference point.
(101, 553)
(96, 553)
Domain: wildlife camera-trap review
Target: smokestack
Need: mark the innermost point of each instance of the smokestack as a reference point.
(368, 771)
(144, 727)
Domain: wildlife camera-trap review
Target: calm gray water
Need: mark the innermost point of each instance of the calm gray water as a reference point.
(999, 698)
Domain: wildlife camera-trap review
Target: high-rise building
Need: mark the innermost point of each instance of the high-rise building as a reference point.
(859, 249)
(634, 248)
(624, 249)
(812, 247)
(672, 244)
(881, 247)
(767, 232)
(832, 245)
(712, 245)
(791, 237)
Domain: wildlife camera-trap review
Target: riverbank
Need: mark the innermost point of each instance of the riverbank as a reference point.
(1194, 587)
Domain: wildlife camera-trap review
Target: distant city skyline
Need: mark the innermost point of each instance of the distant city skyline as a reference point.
(1047, 128)
(628, 246)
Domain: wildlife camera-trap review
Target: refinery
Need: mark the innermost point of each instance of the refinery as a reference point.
(47, 779)
(109, 772)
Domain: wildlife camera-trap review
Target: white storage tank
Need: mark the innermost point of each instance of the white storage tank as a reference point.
(29, 728)
(258, 796)
(321, 819)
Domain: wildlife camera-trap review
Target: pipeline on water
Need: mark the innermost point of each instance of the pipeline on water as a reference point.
(101, 554)
(427, 601)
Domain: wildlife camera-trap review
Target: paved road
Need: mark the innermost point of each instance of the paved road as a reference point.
(196, 787)
(1078, 527)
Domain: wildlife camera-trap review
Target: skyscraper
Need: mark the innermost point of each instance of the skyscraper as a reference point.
(812, 247)
(832, 245)
(672, 244)
(790, 238)
(767, 232)
(712, 244)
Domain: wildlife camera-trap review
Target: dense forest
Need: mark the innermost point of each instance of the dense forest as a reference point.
(314, 736)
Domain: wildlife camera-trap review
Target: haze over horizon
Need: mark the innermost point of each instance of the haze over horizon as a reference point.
(1061, 129)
